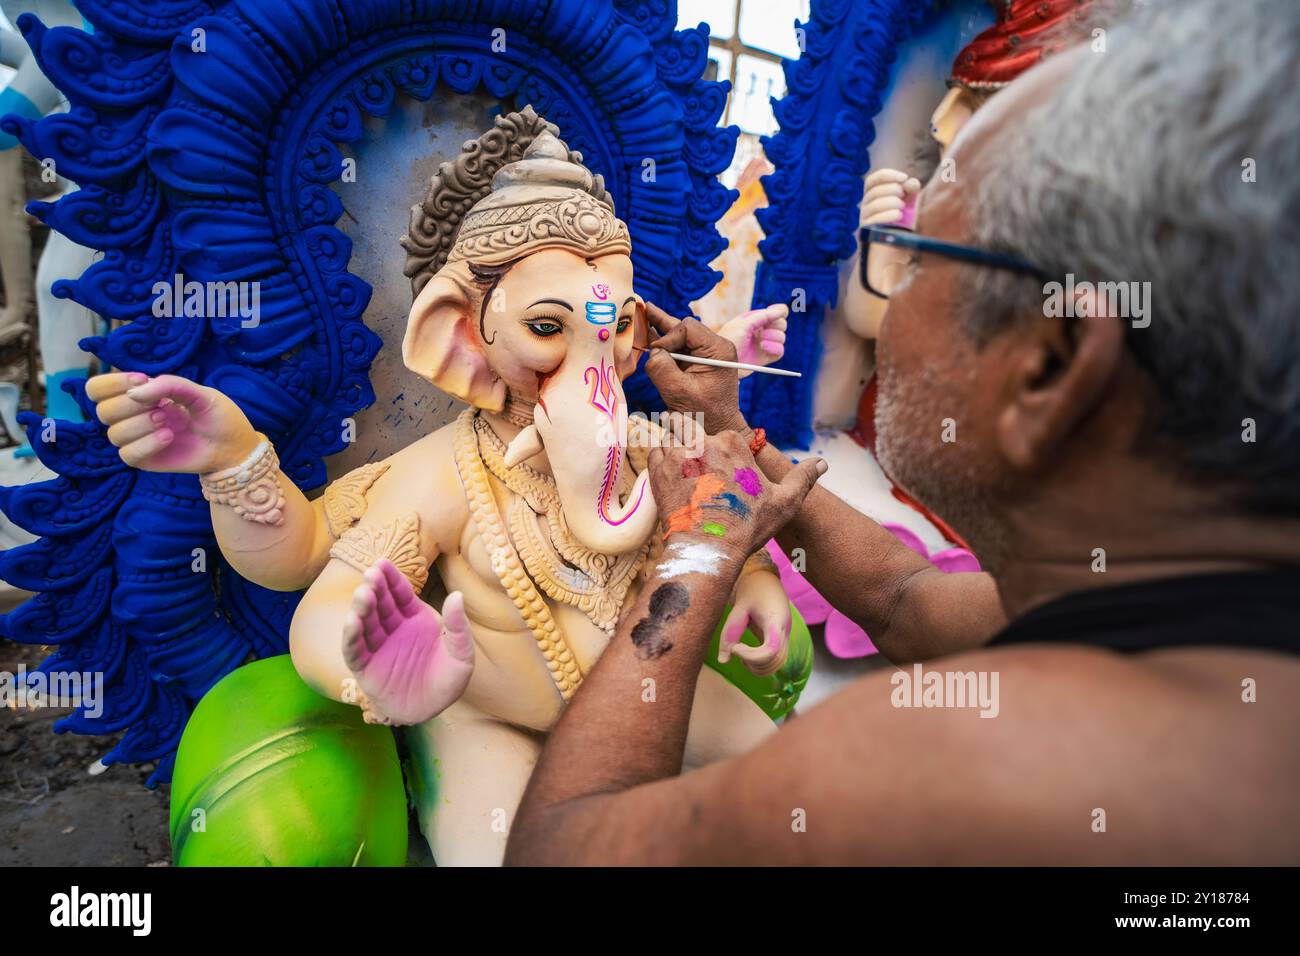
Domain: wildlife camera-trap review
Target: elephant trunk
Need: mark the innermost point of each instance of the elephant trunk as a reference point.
(581, 421)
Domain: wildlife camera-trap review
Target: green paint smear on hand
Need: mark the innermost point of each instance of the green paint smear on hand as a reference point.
(713, 528)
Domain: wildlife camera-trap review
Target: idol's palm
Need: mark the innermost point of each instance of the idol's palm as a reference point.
(409, 661)
(171, 424)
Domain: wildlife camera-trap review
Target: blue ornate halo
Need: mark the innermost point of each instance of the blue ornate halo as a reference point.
(204, 135)
(826, 118)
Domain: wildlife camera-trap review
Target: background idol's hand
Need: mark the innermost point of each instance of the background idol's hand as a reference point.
(763, 607)
(758, 335)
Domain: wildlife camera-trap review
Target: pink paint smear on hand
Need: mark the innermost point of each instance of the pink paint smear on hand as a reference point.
(748, 482)
(843, 637)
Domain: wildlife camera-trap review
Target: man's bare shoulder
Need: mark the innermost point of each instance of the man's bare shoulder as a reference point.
(1042, 754)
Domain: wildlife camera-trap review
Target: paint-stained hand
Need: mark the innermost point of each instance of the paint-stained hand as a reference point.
(711, 491)
(171, 424)
(695, 389)
(411, 662)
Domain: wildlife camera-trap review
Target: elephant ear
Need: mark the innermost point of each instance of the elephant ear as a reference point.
(443, 344)
(640, 339)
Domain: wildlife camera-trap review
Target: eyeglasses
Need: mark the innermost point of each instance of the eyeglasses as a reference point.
(885, 257)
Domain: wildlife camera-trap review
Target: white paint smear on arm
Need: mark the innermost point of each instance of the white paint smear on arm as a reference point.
(690, 557)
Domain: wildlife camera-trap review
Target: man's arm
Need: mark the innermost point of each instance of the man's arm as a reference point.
(853, 781)
(865, 778)
(610, 738)
(911, 609)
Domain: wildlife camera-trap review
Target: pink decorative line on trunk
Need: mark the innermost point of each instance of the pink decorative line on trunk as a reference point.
(607, 489)
(604, 396)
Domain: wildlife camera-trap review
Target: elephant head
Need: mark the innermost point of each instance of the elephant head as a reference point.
(528, 299)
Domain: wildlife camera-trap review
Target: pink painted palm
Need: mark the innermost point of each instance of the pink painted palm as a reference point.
(759, 335)
(410, 662)
(171, 424)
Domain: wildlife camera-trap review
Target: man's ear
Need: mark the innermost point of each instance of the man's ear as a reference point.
(442, 343)
(1064, 369)
(640, 340)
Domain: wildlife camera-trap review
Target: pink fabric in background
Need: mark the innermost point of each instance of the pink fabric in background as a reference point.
(843, 637)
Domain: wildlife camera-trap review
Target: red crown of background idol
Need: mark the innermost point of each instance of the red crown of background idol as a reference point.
(1025, 32)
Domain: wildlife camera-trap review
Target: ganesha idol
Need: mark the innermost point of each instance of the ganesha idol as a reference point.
(534, 506)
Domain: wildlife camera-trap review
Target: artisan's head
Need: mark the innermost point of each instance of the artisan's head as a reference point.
(1162, 165)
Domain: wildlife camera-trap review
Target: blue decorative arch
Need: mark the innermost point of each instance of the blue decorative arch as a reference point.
(204, 135)
(826, 119)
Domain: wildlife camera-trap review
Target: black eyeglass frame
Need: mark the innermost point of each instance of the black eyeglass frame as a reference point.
(907, 239)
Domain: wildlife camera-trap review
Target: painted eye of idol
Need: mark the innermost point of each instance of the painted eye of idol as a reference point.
(625, 321)
(546, 324)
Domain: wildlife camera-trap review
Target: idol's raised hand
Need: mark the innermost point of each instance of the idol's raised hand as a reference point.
(171, 424)
(409, 661)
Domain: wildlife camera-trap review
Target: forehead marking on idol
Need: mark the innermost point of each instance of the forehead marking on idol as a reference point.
(601, 313)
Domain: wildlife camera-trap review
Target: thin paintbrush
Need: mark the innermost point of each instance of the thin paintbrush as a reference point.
(723, 363)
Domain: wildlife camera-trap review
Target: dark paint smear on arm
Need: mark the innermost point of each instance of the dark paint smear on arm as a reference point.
(651, 634)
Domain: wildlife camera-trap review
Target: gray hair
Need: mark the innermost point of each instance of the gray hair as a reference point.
(1138, 168)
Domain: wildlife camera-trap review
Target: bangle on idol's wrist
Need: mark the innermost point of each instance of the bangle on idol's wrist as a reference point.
(252, 487)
